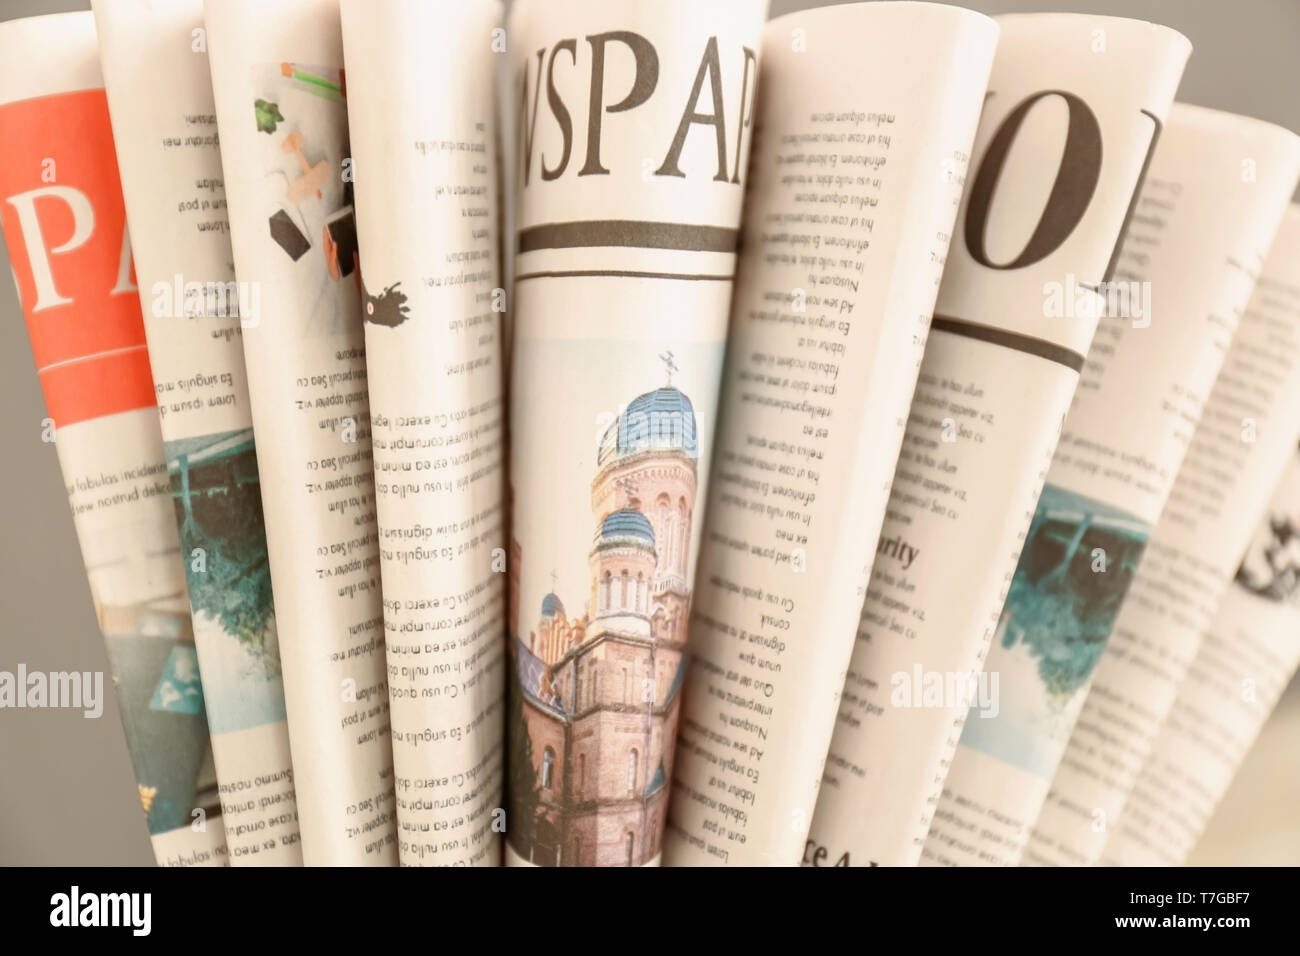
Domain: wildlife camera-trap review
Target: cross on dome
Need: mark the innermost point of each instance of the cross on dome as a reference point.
(670, 366)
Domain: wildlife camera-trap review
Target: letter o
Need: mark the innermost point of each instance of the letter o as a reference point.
(1076, 181)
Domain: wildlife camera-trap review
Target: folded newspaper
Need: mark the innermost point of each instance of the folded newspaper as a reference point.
(653, 434)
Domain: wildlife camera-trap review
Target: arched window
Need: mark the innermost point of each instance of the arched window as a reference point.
(548, 767)
(665, 554)
(631, 771)
(582, 774)
(604, 592)
(640, 593)
(630, 842)
(662, 510)
(627, 687)
(623, 598)
(683, 532)
(577, 850)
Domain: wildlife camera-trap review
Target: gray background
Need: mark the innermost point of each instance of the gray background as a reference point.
(66, 791)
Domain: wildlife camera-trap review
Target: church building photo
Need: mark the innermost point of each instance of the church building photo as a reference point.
(598, 675)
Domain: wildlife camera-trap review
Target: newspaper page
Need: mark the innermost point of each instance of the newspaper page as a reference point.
(856, 178)
(1061, 150)
(65, 229)
(1216, 714)
(1244, 662)
(1187, 266)
(634, 125)
(170, 164)
(423, 135)
(1246, 437)
(282, 116)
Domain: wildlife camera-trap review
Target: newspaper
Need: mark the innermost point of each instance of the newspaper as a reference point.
(630, 178)
(1244, 662)
(65, 229)
(1245, 439)
(282, 117)
(423, 133)
(1062, 147)
(1228, 677)
(855, 181)
(1187, 266)
(170, 164)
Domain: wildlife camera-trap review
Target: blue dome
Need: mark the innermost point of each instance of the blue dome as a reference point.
(627, 523)
(662, 420)
(551, 604)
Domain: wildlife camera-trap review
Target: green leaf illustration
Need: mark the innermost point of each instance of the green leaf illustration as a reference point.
(268, 116)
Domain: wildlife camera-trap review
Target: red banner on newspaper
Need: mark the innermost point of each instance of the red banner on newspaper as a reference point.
(65, 226)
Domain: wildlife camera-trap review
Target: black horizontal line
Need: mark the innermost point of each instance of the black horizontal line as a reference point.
(1011, 340)
(630, 233)
(625, 273)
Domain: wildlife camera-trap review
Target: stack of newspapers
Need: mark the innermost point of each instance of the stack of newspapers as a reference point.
(628, 432)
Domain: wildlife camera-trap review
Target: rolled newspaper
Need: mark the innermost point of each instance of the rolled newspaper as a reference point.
(175, 205)
(632, 171)
(855, 180)
(432, 301)
(1244, 662)
(281, 108)
(1187, 266)
(1061, 150)
(1246, 438)
(65, 228)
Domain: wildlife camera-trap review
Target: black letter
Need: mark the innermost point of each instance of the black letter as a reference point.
(647, 77)
(1076, 179)
(527, 124)
(745, 121)
(710, 65)
(558, 109)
